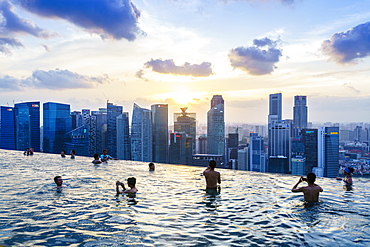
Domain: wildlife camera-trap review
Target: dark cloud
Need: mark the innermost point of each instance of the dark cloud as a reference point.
(347, 47)
(115, 19)
(255, 60)
(8, 83)
(6, 42)
(169, 67)
(140, 74)
(13, 24)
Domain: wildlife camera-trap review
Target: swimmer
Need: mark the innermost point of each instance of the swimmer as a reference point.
(58, 181)
(73, 154)
(96, 159)
(105, 156)
(131, 183)
(310, 192)
(151, 166)
(348, 178)
(63, 154)
(212, 177)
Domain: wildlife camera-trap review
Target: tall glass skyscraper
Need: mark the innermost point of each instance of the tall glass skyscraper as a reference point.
(57, 122)
(331, 152)
(160, 132)
(123, 137)
(7, 128)
(186, 123)
(299, 114)
(275, 107)
(216, 126)
(257, 155)
(141, 134)
(113, 111)
(27, 125)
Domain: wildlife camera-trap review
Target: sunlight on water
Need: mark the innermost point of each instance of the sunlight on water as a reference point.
(171, 207)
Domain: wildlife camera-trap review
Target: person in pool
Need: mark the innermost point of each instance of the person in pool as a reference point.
(131, 183)
(73, 154)
(105, 156)
(58, 181)
(96, 159)
(310, 192)
(348, 178)
(151, 166)
(63, 154)
(213, 178)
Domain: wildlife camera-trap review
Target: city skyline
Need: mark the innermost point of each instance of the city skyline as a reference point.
(181, 53)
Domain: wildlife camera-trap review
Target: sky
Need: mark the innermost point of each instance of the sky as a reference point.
(182, 52)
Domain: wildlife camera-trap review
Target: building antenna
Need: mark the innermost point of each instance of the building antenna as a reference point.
(105, 97)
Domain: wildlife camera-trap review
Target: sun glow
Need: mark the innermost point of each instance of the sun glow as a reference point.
(181, 97)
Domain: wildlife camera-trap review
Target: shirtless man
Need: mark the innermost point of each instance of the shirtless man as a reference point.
(212, 177)
(310, 192)
(58, 181)
(131, 183)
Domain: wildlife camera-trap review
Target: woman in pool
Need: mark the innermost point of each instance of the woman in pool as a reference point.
(348, 178)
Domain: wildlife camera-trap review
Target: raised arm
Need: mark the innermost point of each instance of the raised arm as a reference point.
(118, 183)
(295, 189)
(219, 178)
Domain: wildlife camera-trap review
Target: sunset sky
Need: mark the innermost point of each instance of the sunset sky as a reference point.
(181, 52)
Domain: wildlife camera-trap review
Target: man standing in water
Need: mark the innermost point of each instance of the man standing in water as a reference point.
(212, 177)
(310, 192)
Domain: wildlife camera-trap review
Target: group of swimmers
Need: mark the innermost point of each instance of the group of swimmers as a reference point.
(29, 151)
(213, 180)
(72, 153)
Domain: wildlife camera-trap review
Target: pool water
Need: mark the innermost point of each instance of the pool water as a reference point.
(171, 207)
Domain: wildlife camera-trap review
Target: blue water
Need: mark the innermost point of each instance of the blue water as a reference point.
(171, 207)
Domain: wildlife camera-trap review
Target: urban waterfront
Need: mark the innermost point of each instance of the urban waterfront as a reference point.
(171, 207)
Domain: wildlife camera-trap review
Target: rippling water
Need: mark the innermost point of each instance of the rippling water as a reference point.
(171, 209)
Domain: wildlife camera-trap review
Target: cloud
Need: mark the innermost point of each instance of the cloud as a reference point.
(169, 67)
(5, 42)
(53, 79)
(254, 59)
(348, 47)
(116, 19)
(140, 74)
(46, 47)
(13, 24)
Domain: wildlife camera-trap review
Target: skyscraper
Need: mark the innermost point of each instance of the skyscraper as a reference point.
(7, 130)
(216, 126)
(299, 114)
(141, 134)
(113, 111)
(275, 108)
(123, 137)
(257, 155)
(160, 132)
(186, 122)
(57, 122)
(279, 149)
(331, 152)
(181, 148)
(27, 125)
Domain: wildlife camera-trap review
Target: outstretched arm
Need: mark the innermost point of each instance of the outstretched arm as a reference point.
(118, 183)
(294, 189)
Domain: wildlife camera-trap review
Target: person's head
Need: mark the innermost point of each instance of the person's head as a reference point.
(311, 177)
(212, 164)
(348, 170)
(63, 152)
(73, 152)
(96, 156)
(151, 166)
(131, 181)
(58, 180)
(105, 151)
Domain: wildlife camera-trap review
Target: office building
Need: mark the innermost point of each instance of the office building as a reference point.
(331, 151)
(57, 122)
(299, 166)
(101, 130)
(79, 140)
(160, 132)
(141, 134)
(123, 137)
(181, 148)
(202, 144)
(257, 155)
(279, 147)
(76, 117)
(186, 122)
(299, 114)
(275, 108)
(27, 125)
(113, 111)
(243, 159)
(310, 138)
(216, 127)
(7, 128)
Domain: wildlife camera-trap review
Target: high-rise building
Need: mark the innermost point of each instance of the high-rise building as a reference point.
(331, 151)
(7, 128)
(27, 125)
(275, 108)
(160, 132)
(299, 114)
(257, 155)
(79, 140)
(216, 126)
(232, 147)
(310, 138)
(76, 119)
(141, 134)
(57, 122)
(243, 159)
(181, 148)
(186, 122)
(123, 137)
(202, 144)
(113, 111)
(101, 130)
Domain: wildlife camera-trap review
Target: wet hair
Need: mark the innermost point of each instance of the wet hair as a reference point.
(96, 156)
(105, 150)
(56, 179)
(73, 151)
(151, 164)
(131, 181)
(212, 164)
(311, 177)
(349, 170)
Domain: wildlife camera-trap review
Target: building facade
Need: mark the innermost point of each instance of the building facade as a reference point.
(216, 126)
(7, 128)
(160, 132)
(300, 115)
(141, 134)
(113, 111)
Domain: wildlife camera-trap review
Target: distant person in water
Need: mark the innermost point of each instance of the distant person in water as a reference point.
(213, 178)
(104, 157)
(310, 192)
(96, 159)
(58, 181)
(131, 183)
(30, 151)
(348, 178)
(27, 152)
(73, 154)
(151, 166)
(63, 154)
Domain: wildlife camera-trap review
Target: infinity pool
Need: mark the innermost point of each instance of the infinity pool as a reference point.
(171, 208)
